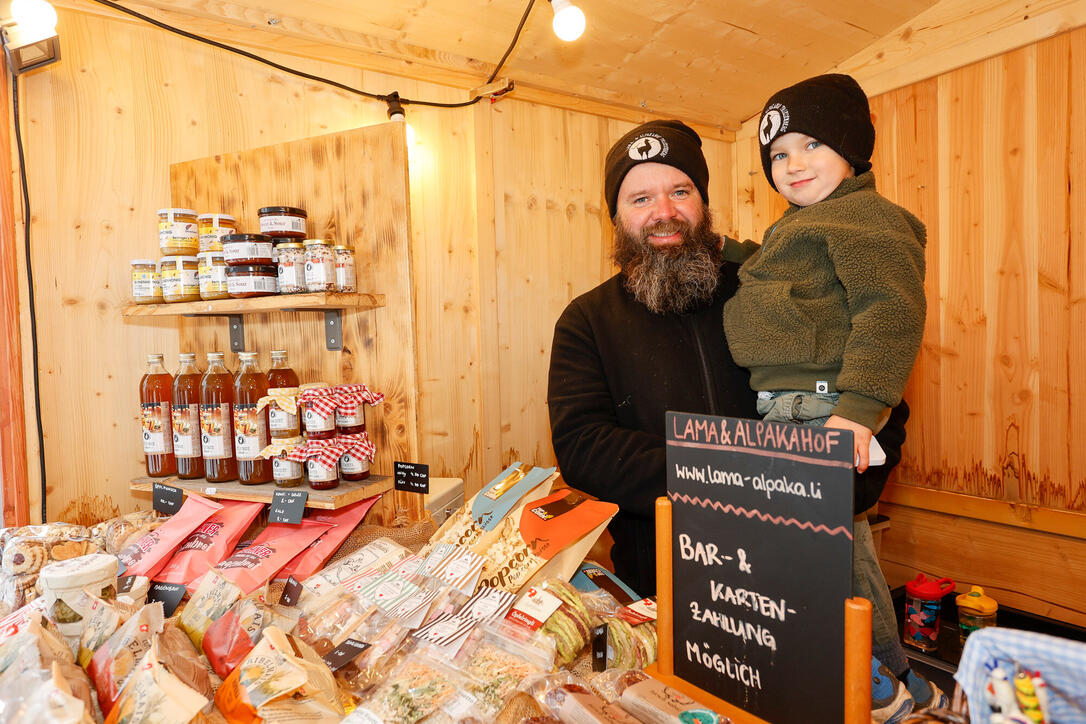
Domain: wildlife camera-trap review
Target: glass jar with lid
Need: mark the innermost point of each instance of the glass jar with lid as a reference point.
(317, 401)
(178, 232)
(282, 222)
(180, 278)
(239, 249)
(291, 268)
(213, 227)
(344, 261)
(288, 469)
(251, 280)
(146, 288)
(320, 275)
(283, 418)
(212, 275)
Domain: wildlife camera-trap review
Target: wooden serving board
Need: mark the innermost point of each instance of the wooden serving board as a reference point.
(345, 494)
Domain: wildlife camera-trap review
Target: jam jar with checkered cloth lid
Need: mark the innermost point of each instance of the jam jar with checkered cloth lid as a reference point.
(318, 403)
(350, 407)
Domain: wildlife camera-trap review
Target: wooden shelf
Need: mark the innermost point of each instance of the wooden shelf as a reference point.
(275, 303)
(345, 494)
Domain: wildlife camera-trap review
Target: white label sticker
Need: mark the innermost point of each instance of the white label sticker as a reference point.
(534, 608)
(279, 419)
(351, 465)
(250, 432)
(244, 284)
(282, 223)
(186, 431)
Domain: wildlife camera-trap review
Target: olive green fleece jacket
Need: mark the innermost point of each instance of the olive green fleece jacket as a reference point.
(836, 294)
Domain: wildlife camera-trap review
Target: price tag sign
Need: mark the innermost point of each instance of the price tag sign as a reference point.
(169, 593)
(166, 499)
(412, 477)
(288, 506)
(291, 593)
(124, 584)
(343, 654)
(599, 648)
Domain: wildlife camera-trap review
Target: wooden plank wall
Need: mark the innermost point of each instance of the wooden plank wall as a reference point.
(507, 225)
(991, 157)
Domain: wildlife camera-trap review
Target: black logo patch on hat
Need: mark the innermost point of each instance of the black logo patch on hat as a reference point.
(774, 123)
(646, 146)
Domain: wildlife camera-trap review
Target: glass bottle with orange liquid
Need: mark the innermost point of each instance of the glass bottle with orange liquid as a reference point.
(155, 395)
(250, 424)
(217, 420)
(186, 419)
(280, 374)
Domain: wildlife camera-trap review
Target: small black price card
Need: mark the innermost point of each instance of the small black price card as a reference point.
(124, 584)
(291, 593)
(343, 654)
(412, 477)
(166, 498)
(169, 593)
(599, 648)
(288, 506)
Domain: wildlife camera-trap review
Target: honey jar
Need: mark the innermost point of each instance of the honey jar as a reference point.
(212, 275)
(180, 278)
(213, 227)
(178, 232)
(146, 288)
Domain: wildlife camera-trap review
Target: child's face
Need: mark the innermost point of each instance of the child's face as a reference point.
(805, 170)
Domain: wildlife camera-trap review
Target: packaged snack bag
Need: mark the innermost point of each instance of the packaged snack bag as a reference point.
(280, 675)
(253, 566)
(211, 542)
(419, 687)
(146, 556)
(156, 696)
(115, 661)
(102, 620)
(230, 639)
(549, 538)
(499, 660)
(313, 558)
(558, 612)
(176, 653)
(214, 597)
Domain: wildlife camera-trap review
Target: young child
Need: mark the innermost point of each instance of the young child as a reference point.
(830, 312)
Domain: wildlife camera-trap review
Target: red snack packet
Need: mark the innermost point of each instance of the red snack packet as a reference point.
(253, 566)
(211, 542)
(149, 554)
(313, 558)
(230, 639)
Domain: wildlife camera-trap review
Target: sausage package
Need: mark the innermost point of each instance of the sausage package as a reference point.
(313, 558)
(147, 555)
(211, 542)
(115, 660)
(253, 566)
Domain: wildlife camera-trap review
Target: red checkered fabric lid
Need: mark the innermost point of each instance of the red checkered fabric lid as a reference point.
(326, 452)
(349, 397)
(319, 399)
(359, 446)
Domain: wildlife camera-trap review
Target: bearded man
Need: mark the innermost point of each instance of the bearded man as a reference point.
(651, 339)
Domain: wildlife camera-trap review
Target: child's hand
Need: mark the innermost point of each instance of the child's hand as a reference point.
(861, 437)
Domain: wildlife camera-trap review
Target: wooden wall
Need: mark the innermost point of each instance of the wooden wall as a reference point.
(506, 219)
(991, 157)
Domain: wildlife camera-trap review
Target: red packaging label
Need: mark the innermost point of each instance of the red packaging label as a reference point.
(253, 566)
(149, 554)
(210, 543)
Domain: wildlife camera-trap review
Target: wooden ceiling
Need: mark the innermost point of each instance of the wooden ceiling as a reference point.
(707, 61)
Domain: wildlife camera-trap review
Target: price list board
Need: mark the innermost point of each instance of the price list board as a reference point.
(762, 561)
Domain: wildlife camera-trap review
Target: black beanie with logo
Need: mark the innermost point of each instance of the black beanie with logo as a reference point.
(668, 142)
(830, 108)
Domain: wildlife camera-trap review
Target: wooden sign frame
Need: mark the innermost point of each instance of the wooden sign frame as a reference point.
(857, 674)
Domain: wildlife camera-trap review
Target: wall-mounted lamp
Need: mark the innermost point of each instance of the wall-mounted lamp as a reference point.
(395, 108)
(28, 30)
(568, 20)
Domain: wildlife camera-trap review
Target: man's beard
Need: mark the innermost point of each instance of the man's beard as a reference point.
(670, 278)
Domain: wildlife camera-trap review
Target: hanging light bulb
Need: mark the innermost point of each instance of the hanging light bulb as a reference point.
(395, 108)
(34, 16)
(568, 20)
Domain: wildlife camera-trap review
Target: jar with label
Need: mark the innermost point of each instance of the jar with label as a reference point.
(212, 275)
(283, 419)
(145, 285)
(186, 419)
(322, 464)
(344, 260)
(239, 249)
(320, 272)
(291, 268)
(318, 404)
(213, 227)
(282, 222)
(250, 422)
(251, 280)
(62, 585)
(156, 393)
(350, 407)
(178, 232)
(358, 451)
(180, 277)
(288, 468)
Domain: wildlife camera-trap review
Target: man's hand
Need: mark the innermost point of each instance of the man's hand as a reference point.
(861, 437)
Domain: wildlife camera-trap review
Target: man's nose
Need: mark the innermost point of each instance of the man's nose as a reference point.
(665, 209)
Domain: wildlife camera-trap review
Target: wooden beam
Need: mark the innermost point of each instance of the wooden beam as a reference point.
(12, 423)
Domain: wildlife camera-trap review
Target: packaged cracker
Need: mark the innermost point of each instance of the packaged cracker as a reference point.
(230, 639)
(330, 625)
(211, 542)
(386, 638)
(587, 708)
(474, 525)
(102, 620)
(116, 659)
(154, 695)
(214, 597)
(146, 556)
(549, 538)
(280, 676)
(551, 690)
(654, 702)
(378, 555)
(33, 651)
(519, 708)
(115, 534)
(31, 699)
(313, 558)
(568, 624)
(253, 566)
(502, 657)
(16, 590)
(418, 687)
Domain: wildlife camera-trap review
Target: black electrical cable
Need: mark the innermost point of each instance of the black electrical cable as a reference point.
(317, 78)
(30, 287)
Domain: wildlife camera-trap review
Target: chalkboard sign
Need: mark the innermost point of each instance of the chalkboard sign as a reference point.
(762, 561)
(411, 477)
(288, 506)
(166, 499)
(170, 594)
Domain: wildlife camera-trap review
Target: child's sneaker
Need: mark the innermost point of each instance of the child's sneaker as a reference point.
(891, 702)
(925, 694)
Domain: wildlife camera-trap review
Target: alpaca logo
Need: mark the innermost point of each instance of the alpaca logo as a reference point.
(646, 146)
(774, 122)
